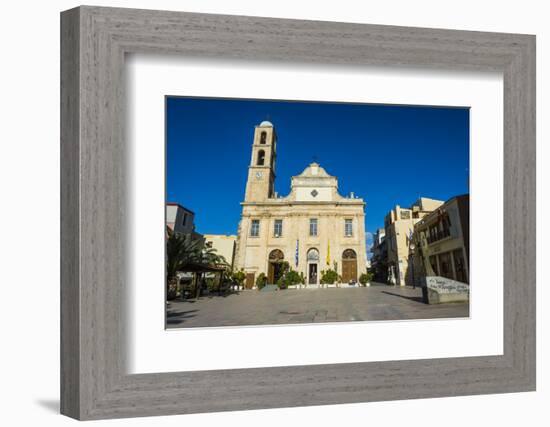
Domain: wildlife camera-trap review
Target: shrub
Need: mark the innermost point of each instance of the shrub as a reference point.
(365, 278)
(293, 278)
(172, 290)
(328, 277)
(290, 278)
(285, 267)
(281, 283)
(261, 281)
(211, 284)
(238, 277)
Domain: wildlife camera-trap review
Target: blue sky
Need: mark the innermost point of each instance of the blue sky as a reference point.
(386, 154)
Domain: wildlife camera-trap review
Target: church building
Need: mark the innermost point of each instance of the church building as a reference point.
(313, 228)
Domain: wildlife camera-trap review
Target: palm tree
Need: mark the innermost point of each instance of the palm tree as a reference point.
(181, 250)
(209, 257)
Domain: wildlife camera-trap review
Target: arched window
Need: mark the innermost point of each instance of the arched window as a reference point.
(263, 137)
(276, 255)
(313, 255)
(349, 254)
(261, 158)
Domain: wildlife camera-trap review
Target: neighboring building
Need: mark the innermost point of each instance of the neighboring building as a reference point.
(399, 225)
(313, 228)
(367, 263)
(379, 260)
(443, 241)
(181, 220)
(224, 245)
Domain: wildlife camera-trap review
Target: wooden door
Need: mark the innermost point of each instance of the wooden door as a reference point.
(312, 274)
(349, 270)
(270, 274)
(349, 266)
(249, 284)
(276, 256)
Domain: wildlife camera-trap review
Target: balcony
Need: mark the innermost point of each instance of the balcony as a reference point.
(438, 235)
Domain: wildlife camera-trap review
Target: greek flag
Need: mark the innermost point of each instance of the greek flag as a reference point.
(296, 254)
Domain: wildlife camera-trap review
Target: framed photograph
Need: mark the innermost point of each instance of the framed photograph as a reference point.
(262, 213)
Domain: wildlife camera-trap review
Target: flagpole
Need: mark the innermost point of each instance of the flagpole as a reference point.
(297, 253)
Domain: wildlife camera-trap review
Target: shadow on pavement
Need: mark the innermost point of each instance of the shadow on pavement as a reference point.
(416, 299)
(178, 317)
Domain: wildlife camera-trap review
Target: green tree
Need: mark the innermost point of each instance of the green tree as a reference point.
(261, 281)
(181, 250)
(365, 278)
(329, 277)
(210, 257)
(285, 267)
(289, 278)
(238, 277)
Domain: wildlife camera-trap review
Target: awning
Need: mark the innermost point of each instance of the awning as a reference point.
(201, 268)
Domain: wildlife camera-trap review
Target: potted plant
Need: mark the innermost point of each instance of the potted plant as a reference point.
(261, 281)
(238, 278)
(365, 279)
(329, 277)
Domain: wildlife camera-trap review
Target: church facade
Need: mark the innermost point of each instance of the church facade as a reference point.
(313, 228)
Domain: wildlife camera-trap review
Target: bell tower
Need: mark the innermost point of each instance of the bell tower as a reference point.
(261, 172)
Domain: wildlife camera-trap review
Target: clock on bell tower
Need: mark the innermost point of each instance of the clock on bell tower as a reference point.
(261, 172)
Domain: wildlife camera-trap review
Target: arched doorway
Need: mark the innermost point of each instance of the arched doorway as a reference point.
(349, 266)
(312, 266)
(274, 272)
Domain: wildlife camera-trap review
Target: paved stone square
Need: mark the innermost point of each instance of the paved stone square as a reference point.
(292, 306)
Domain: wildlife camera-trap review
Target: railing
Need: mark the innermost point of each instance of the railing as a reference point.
(438, 235)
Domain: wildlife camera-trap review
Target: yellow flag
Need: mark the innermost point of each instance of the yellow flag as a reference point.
(328, 253)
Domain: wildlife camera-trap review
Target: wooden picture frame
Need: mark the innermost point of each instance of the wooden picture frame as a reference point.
(94, 41)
